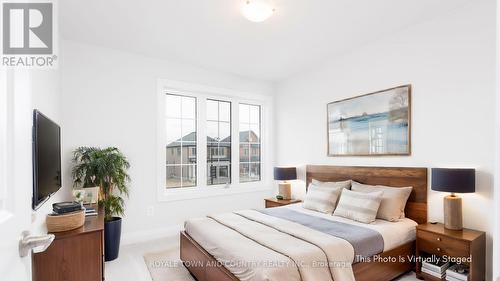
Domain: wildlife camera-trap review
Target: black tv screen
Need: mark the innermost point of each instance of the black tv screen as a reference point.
(46, 158)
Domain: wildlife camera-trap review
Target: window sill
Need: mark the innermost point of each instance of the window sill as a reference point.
(204, 192)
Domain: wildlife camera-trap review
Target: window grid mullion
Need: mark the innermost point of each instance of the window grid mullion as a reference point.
(235, 142)
(218, 141)
(182, 146)
(202, 152)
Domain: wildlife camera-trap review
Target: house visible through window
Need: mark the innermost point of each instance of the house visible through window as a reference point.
(218, 142)
(185, 116)
(181, 141)
(250, 161)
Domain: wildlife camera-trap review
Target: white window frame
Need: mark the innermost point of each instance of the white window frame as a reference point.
(179, 149)
(231, 124)
(249, 162)
(202, 93)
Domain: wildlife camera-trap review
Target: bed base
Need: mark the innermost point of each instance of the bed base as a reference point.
(204, 267)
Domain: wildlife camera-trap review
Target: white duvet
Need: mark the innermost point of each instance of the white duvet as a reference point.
(251, 250)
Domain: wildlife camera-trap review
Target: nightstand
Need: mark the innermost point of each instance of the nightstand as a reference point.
(273, 202)
(434, 239)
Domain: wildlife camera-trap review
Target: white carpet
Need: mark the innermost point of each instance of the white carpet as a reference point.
(166, 266)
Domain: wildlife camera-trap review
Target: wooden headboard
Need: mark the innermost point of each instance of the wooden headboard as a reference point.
(416, 207)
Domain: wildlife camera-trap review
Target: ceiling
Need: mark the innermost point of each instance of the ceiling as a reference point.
(213, 34)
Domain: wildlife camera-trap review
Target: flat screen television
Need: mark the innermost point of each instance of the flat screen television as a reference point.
(46, 158)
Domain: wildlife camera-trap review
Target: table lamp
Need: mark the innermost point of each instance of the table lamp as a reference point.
(284, 174)
(453, 181)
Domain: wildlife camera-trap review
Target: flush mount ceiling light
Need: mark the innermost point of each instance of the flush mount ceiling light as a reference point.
(257, 10)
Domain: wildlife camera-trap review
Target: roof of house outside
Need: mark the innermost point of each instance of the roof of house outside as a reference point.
(245, 136)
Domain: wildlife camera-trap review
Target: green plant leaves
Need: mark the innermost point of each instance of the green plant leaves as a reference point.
(106, 168)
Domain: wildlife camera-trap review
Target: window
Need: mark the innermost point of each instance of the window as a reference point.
(218, 142)
(211, 141)
(249, 142)
(181, 141)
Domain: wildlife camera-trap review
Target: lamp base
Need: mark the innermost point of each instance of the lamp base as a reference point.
(285, 190)
(453, 212)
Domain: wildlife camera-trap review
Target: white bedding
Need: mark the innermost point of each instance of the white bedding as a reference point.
(253, 251)
(395, 234)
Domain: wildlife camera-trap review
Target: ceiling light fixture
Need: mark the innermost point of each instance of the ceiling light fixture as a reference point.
(257, 10)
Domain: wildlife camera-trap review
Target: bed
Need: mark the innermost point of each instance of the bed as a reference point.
(224, 247)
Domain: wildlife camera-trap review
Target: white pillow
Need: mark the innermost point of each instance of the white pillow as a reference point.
(359, 206)
(345, 184)
(392, 207)
(322, 199)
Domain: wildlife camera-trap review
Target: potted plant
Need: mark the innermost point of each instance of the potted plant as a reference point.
(106, 168)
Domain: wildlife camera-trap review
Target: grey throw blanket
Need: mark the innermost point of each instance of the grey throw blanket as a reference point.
(366, 242)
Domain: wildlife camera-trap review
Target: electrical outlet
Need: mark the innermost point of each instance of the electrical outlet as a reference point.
(150, 211)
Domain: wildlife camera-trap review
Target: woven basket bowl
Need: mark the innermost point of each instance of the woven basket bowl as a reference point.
(65, 222)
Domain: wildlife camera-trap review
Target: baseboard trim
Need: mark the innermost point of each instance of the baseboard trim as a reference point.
(135, 237)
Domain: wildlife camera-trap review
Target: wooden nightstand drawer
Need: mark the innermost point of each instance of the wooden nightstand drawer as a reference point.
(433, 243)
(435, 239)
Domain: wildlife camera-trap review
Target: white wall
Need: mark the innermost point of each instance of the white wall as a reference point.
(450, 61)
(46, 97)
(41, 91)
(496, 242)
(109, 99)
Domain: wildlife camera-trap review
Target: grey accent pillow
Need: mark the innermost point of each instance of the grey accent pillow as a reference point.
(322, 198)
(359, 206)
(392, 206)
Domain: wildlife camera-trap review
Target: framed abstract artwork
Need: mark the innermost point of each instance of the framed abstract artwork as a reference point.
(374, 124)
